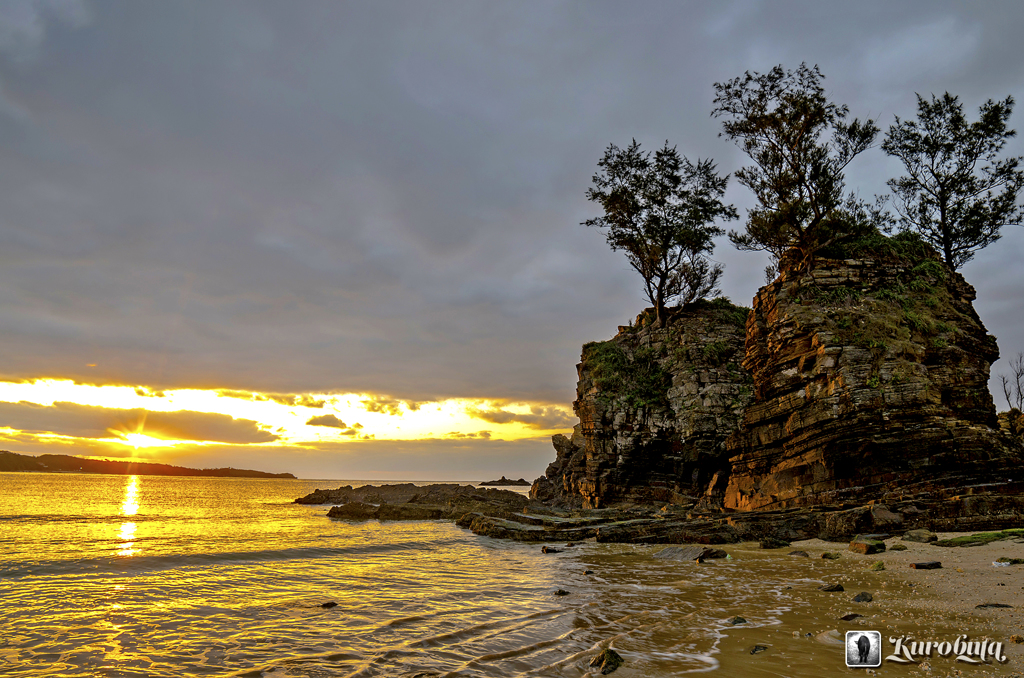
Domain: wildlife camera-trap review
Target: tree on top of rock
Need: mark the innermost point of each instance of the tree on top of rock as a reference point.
(659, 212)
(956, 194)
(800, 143)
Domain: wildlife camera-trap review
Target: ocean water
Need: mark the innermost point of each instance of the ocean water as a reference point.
(158, 576)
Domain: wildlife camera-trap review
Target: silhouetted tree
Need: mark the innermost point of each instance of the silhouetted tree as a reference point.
(659, 212)
(1013, 388)
(956, 194)
(800, 143)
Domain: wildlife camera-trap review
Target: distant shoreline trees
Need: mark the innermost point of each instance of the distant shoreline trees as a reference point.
(660, 212)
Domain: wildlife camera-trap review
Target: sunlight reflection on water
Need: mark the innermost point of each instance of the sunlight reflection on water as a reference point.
(130, 505)
(231, 579)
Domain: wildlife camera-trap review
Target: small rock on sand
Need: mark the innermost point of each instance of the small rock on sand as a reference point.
(867, 545)
(928, 565)
(609, 660)
(831, 588)
(863, 597)
(921, 536)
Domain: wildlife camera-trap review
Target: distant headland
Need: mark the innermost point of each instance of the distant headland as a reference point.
(63, 463)
(505, 482)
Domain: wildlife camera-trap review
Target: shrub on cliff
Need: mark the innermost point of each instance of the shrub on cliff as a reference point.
(636, 377)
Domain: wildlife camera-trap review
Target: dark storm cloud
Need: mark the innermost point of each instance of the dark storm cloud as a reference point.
(385, 197)
(82, 421)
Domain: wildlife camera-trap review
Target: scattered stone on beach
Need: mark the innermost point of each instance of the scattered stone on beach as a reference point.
(737, 620)
(928, 565)
(863, 597)
(831, 588)
(829, 555)
(1017, 638)
(698, 553)
(1010, 561)
(549, 549)
(878, 567)
(830, 637)
(758, 649)
(609, 660)
(588, 572)
(329, 604)
(898, 547)
(851, 616)
(921, 536)
(867, 545)
(986, 605)
(802, 554)
(561, 592)
(773, 543)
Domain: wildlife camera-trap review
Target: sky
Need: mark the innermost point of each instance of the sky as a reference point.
(344, 240)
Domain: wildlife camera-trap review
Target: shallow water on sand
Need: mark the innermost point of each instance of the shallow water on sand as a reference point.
(157, 576)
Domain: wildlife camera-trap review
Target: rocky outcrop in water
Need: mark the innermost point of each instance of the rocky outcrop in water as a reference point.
(851, 399)
(862, 379)
(505, 482)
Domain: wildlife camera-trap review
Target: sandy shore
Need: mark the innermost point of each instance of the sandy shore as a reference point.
(967, 578)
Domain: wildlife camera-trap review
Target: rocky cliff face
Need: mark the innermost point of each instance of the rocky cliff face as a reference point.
(864, 378)
(655, 405)
(871, 380)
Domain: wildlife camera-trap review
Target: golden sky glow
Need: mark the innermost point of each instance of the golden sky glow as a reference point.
(138, 418)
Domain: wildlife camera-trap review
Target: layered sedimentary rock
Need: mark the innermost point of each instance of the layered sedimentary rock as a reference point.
(861, 379)
(871, 382)
(655, 405)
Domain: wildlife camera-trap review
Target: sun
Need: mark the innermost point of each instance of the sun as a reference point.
(138, 440)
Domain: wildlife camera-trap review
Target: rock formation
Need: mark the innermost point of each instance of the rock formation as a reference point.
(864, 378)
(871, 382)
(655, 405)
(851, 399)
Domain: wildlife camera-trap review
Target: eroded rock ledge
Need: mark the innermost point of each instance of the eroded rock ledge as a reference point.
(509, 515)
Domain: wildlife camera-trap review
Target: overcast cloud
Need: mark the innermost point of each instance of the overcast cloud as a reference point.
(386, 197)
